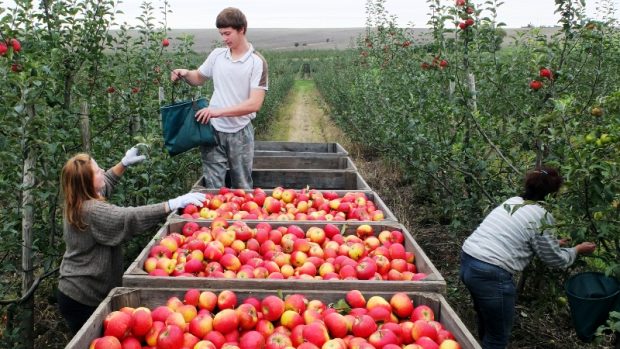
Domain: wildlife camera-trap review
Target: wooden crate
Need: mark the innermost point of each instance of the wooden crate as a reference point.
(371, 195)
(136, 276)
(304, 162)
(302, 178)
(153, 297)
(267, 148)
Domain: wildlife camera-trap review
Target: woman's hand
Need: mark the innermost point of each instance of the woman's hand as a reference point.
(585, 248)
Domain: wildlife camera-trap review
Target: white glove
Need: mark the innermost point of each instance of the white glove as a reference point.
(184, 200)
(131, 157)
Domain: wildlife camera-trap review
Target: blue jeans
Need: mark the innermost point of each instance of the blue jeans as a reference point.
(494, 294)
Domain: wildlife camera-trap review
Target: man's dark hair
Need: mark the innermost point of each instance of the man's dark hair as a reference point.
(541, 182)
(233, 18)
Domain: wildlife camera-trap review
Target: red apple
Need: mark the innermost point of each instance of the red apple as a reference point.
(117, 324)
(336, 325)
(252, 340)
(422, 312)
(316, 333)
(171, 337)
(355, 299)
(106, 342)
(248, 318)
(225, 321)
(363, 326)
(142, 321)
(272, 308)
(402, 305)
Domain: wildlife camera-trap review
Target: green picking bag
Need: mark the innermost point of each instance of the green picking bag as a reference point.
(181, 130)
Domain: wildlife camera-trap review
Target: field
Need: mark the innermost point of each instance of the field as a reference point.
(296, 39)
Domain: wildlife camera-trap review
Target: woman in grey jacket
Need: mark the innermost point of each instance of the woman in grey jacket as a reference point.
(504, 244)
(94, 230)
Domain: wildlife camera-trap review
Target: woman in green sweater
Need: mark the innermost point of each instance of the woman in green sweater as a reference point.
(94, 230)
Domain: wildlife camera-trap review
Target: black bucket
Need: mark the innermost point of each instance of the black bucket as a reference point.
(591, 296)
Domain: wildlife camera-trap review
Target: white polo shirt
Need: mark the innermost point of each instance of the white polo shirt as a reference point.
(232, 82)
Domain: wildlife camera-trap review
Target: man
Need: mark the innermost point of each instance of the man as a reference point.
(239, 75)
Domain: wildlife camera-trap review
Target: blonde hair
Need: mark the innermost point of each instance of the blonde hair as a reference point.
(77, 180)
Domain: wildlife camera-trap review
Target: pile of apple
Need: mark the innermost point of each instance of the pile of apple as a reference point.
(285, 204)
(235, 250)
(204, 320)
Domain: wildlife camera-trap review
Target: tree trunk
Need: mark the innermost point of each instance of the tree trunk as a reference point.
(28, 179)
(84, 127)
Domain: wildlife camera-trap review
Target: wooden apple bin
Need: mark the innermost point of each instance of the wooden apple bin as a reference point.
(370, 195)
(153, 297)
(292, 149)
(136, 276)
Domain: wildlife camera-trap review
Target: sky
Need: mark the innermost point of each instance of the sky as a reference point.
(200, 14)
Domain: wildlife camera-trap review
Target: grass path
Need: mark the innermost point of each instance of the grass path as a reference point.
(303, 118)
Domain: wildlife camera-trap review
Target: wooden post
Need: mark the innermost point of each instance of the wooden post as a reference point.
(27, 208)
(84, 127)
(471, 85)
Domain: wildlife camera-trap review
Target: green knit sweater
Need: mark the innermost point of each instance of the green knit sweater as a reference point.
(93, 261)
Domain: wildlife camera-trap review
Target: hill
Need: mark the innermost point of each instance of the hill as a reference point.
(272, 39)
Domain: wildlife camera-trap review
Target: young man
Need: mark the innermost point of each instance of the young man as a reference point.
(239, 76)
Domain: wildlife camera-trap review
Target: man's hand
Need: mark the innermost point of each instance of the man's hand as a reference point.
(205, 114)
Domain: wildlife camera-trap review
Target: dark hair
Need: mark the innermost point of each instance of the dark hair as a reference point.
(541, 182)
(233, 18)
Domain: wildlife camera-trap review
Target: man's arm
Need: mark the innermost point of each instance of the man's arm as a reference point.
(250, 105)
(192, 77)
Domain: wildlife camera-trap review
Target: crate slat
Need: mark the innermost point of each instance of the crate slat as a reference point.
(268, 148)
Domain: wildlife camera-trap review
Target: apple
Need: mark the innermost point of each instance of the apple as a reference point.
(225, 321)
(159, 251)
(171, 337)
(117, 324)
(226, 299)
(150, 264)
(170, 243)
(402, 305)
(296, 302)
(355, 299)
(363, 326)
(151, 336)
(142, 321)
(272, 308)
(106, 342)
(363, 231)
(422, 312)
(382, 337)
(130, 343)
(316, 333)
(443, 335)
(252, 340)
(265, 327)
(427, 343)
(279, 340)
(248, 318)
(422, 328)
(200, 325)
(290, 319)
(366, 269)
(215, 337)
(336, 325)
(449, 344)
(188, 311)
